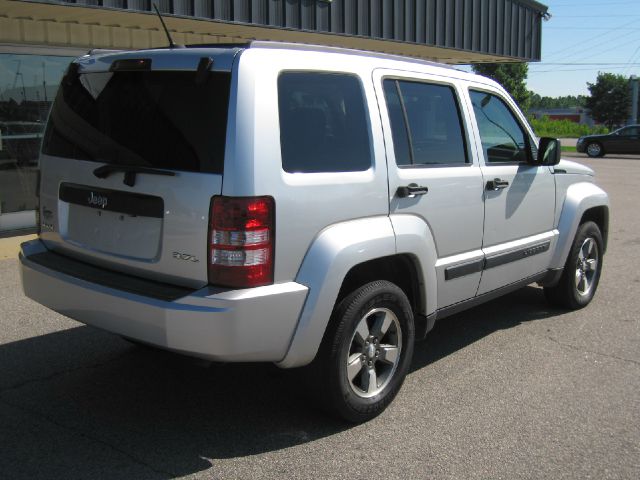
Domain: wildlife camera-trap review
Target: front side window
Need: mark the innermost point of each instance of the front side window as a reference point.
(323, 123)
(425, 123)
(503, 139)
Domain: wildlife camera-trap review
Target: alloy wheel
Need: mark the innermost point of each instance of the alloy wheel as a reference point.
(586, 266)
(374, 352)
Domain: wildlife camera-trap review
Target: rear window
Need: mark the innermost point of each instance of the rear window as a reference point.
(323, 123)
(156, 119)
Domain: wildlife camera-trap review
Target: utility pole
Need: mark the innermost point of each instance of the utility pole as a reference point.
(44, 83)
(634, 99)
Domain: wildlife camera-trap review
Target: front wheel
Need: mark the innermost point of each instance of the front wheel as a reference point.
(366, 352)
(594, 150)
(579, 280)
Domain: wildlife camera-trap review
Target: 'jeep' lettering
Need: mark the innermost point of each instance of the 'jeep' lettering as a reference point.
(98, 200)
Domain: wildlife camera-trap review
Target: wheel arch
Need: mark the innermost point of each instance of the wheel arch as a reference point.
(332, 254)
(399, 269)
(584, 201)
(600, 216)
(350, 254)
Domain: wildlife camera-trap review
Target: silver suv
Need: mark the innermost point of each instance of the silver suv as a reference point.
(307, 206)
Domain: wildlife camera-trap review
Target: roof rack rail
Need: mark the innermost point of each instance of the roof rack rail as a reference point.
(219, 45)
(345, 51)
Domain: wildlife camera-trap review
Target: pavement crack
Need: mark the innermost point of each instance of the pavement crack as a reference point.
(584, 350)
(58, 373)
(89, 437)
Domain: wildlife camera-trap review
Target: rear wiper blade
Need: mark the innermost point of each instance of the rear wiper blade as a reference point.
(129, 172)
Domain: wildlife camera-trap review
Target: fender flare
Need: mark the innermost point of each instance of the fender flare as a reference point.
(580, 197)
(414, 237)
(333, 253)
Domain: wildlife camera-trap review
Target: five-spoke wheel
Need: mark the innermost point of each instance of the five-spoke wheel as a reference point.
(374, 352)
(581, 273)
(366, 352)
(586, 266)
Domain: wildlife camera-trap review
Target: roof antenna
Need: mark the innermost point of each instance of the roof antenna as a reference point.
(166, 30)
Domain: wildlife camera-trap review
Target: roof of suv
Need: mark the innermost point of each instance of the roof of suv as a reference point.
(224, 53)
(233, 48)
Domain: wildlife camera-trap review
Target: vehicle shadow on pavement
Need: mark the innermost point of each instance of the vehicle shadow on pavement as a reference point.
(81, 403)
(458, 331)
(98, 404)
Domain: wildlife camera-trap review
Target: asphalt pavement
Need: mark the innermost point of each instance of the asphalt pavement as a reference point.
(511, 389)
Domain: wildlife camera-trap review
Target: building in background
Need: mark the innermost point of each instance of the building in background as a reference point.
(38, 39)
(579, 115)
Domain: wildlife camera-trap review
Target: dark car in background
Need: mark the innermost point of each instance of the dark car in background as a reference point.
(623, 140)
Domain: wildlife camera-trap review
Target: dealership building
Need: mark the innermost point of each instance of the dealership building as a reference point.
(39, 38)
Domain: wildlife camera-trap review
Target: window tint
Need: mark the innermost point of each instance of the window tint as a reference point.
(432, 133)
(503, 139)
(152, 118)
(398, 126)
(323, 123)
(629, 131)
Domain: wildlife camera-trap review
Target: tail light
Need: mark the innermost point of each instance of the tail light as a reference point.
(241, 241)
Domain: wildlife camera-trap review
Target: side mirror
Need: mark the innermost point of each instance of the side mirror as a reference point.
(549, 151)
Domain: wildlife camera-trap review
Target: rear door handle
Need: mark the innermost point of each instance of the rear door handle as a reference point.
(411, 190)
(497, 184)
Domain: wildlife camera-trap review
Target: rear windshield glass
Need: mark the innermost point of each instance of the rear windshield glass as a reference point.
(152, 118)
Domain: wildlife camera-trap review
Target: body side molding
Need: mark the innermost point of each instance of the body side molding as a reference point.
(485, 297)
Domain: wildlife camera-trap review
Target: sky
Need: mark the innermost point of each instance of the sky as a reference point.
(581, 38)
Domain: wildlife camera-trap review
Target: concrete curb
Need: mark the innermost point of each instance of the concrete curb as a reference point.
(9, 247)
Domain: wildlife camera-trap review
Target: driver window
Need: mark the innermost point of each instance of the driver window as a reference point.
(629, 131)
(503, 139)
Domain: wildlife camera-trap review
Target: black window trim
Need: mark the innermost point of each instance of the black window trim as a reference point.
(367, 112)
(468, 160)
(525, 132)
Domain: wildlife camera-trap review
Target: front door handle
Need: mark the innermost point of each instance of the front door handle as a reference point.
(411, 190)
(497, 184)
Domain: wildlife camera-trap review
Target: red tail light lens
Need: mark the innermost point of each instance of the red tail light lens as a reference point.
(241, 241)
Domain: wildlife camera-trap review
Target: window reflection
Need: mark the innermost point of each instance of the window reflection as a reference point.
(28, 85)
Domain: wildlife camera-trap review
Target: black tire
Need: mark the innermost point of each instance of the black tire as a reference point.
(595, 149)
(375, 304)
(575, 291)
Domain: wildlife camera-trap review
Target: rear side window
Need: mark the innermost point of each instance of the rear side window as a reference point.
(425, 123)
(323, 123)
(158, 119)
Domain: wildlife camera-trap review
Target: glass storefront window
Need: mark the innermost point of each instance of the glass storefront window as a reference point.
(28, 85)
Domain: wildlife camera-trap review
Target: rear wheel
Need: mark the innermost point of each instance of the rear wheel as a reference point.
(366, 352)
(594, 149)
(579, 280)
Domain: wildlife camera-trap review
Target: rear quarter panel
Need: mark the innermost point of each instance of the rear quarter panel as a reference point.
(306, 203)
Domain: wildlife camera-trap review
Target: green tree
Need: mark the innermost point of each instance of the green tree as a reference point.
(610, 99)
(567, 101)
(512, 76)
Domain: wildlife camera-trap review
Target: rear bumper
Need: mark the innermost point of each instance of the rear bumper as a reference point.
(236, 325)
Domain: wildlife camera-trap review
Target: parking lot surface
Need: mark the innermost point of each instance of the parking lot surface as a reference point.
(511, 389)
